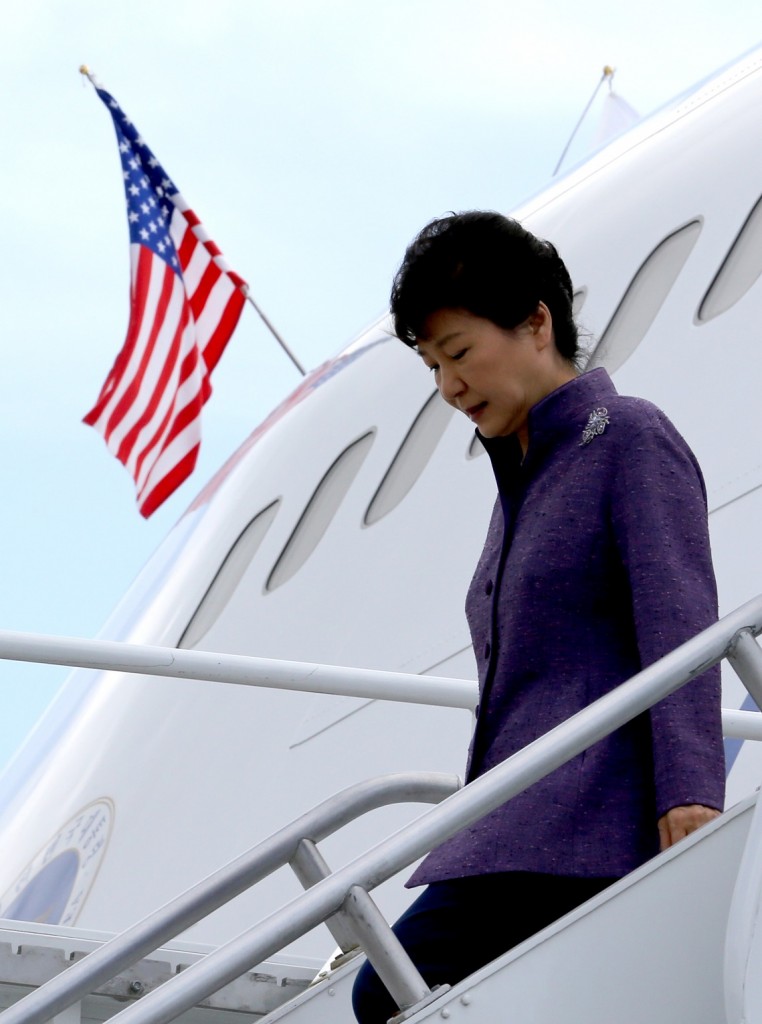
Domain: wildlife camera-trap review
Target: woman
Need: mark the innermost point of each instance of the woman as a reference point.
(596, 564)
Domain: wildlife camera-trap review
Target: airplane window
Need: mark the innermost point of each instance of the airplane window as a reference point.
(320, 510)
(578, 300)
(229, 574)
(644, 298)
(411, 458)
(740, 269)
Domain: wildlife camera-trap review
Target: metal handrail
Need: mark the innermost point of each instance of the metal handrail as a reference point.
(732, 637)
(741, 725)
(300, 676)
(242, 670)
(224, 885)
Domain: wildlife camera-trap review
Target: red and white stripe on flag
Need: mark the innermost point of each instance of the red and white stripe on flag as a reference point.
(149, 409)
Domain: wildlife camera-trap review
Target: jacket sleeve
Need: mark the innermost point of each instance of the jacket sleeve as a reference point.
(659, 518)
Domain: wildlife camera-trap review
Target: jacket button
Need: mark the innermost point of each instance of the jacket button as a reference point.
(487, 650)
(488, 587)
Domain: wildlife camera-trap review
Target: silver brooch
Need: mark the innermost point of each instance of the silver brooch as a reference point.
(599, 420)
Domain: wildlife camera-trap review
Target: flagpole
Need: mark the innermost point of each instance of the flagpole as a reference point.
(244, 288)
(608, 73)
(274, 333)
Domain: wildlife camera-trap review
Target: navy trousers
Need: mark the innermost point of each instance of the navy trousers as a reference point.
(457, 926)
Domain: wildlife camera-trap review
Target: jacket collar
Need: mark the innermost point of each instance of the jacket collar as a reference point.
(562, 413)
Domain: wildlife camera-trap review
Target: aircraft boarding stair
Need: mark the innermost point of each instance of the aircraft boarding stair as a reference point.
(31, 955)
(677, 940)
(651, 949)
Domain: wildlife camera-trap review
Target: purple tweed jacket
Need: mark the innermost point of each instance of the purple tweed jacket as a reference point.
(596, 564)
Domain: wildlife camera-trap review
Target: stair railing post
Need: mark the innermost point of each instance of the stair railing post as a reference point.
(386, 953)
(360, 923)
(310, 867)
(745, 655)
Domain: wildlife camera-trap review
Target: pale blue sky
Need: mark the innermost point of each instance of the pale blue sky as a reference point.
(313, 138)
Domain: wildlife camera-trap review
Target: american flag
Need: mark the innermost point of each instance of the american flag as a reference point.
(184, 305)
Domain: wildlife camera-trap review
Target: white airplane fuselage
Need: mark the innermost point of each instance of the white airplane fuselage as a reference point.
(345, 532)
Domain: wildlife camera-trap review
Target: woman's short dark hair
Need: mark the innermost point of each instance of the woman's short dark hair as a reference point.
(488, 265)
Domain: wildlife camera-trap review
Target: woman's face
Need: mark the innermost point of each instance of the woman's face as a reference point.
(491, 374)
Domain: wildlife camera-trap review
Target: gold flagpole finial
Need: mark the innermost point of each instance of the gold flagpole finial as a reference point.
(84, 69)
(608, 71)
